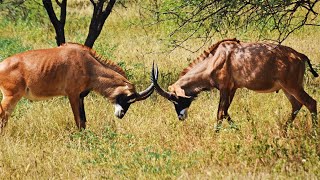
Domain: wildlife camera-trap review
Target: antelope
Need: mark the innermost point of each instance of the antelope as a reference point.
(71, 70)
(230, 64)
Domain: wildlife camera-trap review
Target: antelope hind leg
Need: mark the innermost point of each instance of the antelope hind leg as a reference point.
(3, 120)
(7, 105)
(296, 106)
(309, 102)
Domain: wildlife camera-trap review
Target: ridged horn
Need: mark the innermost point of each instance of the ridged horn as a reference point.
(145, 94)
(163, 93)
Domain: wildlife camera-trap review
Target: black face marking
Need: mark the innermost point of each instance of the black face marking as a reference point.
(124, 101)
(182, 103)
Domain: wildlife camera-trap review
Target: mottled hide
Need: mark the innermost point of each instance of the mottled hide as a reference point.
(231, 64)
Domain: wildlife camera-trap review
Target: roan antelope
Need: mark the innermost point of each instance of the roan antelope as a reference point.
(70, 70)
(231, 64)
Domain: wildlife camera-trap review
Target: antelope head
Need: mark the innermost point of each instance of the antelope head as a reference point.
(127, 96)
(176, 95)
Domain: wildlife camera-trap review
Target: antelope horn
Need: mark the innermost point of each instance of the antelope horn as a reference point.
(145, 94)
(162, 92)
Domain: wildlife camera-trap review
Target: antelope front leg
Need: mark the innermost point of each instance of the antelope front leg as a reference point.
(78, 111)
(221, 109)
(226, 98)
(83, 118)
(296, 106)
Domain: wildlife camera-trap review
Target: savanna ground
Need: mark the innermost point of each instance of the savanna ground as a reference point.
(41, 140)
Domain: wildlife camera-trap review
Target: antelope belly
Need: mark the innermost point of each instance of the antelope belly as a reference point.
(31, 95)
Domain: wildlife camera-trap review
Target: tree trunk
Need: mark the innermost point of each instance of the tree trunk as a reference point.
(58, 24)
(98, 19)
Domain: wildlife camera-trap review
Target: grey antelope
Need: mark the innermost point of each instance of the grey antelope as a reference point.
(70, 70)
(231, 64)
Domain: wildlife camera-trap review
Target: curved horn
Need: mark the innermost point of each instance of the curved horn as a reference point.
(145, 94)
(162, 92)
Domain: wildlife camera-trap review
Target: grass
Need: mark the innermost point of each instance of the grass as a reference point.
(42, 142)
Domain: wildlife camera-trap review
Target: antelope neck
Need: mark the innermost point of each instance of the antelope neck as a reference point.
(196, 80)
(109, 83)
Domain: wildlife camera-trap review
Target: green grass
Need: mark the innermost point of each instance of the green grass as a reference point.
(41, 140)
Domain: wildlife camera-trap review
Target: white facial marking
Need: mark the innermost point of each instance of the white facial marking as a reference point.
(131, 100)
(183, 114)
(118, 110)
(296, 112)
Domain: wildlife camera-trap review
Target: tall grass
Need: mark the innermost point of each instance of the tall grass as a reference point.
(41, 140)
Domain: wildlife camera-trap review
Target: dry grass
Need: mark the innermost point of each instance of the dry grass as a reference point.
(42, 142)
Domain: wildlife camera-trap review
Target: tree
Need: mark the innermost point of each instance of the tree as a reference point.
(57, 24)
(204, 18)
(99, 16)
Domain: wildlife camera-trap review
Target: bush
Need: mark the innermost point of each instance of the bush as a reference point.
(10, 46)
(30, 11)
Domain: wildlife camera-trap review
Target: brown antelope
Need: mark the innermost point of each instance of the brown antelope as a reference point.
(231, 64)
(70, 70)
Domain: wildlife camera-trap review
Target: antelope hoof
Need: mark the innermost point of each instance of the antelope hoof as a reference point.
(183, 114)
(217, 127)
(2, 126)
(120, 114)
(234, 126)
(182, 117)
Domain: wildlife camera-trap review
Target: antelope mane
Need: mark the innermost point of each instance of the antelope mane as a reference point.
(99, 58)
(212, 49)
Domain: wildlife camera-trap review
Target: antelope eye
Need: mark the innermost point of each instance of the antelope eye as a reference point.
(121, 98)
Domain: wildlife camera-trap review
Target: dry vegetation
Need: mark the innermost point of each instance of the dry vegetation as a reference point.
(41, 140)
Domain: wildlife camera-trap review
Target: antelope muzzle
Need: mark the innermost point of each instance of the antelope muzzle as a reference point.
(123, 101)
(181, 104)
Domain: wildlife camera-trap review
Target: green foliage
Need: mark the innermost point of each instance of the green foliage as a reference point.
(203, 19)
(11, 46)
(25, 10)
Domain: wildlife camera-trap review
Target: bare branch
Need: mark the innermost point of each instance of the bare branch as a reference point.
(278, 16)
(59, 4)
(93, 3)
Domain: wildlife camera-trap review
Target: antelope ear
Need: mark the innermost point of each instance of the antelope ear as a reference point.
(131, 100)
(171, 89)
(178, 91)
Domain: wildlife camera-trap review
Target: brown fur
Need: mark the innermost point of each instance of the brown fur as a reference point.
(262, 67)
(205, 54)
(70, 70)
(105, 62)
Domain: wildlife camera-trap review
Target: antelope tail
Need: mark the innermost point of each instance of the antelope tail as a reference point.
(314, 73)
